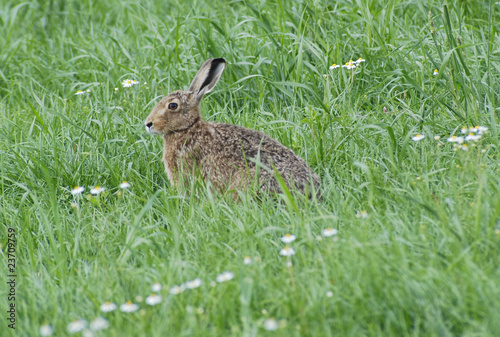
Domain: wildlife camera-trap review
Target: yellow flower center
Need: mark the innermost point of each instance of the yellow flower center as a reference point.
(128, 302)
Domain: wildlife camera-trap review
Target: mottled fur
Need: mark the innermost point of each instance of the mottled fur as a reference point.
(229, 156)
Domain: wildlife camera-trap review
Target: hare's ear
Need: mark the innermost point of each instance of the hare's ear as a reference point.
(207, 77)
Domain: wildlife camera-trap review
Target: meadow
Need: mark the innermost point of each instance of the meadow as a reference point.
(414, 244)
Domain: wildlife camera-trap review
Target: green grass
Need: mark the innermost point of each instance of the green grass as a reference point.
(425, 262)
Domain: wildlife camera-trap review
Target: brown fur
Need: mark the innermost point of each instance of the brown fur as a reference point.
(224, 154)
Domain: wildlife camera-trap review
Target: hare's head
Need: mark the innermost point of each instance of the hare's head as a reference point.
(181, 109)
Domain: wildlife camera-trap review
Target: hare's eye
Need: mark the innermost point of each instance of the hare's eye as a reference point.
(172, 106)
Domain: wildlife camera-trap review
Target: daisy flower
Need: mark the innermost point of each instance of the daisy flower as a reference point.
(288, 238)
(87, 333)
(437, 137)
(77, 326)
(46, 330)
(472, 137)
(334, 66)
(108, 306)
(287, 251)
(465, 130)
(455, 139)
(153, 299)
(77, 190)
(224, 277)
(79, 92)
(435, 72)
(270, 324)
(418, 137)
(193, 284)
(156, 287)
(129, 307)
(247, 260)
(124, 185)
(99, 324)
(134, 82)
(176, 290)
(329, 232)
(362, 215)
(329, 293)
(97, 190)
(127, 83)
(360, 60)
(349, 65)
(481, 129)
(464, 147)
(116, 89)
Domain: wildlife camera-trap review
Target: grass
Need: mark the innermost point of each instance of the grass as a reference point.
(425, 262)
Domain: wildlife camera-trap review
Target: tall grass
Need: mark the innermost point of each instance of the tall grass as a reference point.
(425, 260)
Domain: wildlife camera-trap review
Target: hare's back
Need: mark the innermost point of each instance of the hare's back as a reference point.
(241, 143)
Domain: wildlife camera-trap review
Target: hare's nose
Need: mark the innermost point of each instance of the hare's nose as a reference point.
(148, 125)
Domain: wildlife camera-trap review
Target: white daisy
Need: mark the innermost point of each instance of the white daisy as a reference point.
(418, 137)
(176, 290)
(77, 190)
(97, 190)
(127, 83)
(77, 326)
(134, 82)
(437, 137)
(465, 130)
(156, 287)
(270, 324)
(288, 238)
(435, 72)
(350, 65)
(46, 330)
(455, 139)
(87, 333)
(329, 232)
(472, 137)
(99, 324)
(287, 251)
(329, 293)
(193, 284)
(124, 185)
(481, 129)
(79, 92)
(108, 306)
(247, 260)
(360, 60)
(464, 147)
(153, 299)
(334, 66)
(129, 307)
(116, 89)
(224, 277)
(362, 214)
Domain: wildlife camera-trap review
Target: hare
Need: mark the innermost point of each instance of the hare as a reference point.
(229, 156)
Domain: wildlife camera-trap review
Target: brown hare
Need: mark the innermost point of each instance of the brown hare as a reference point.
(229, 156)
